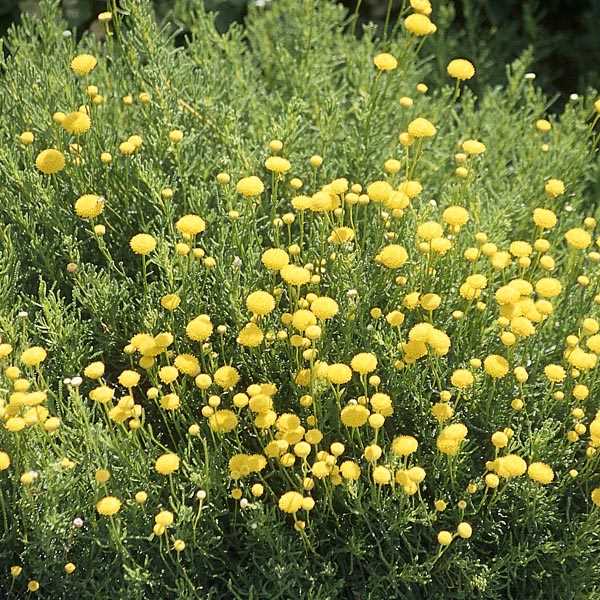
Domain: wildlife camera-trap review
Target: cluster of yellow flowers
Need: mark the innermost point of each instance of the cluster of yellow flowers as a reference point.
(334, 424)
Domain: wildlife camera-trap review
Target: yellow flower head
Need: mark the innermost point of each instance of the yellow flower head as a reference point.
(554, 188)
(385, 62)
(250, 186)
(456, 216)
(540, 473)
(275, 259)
(364, 363)
(142, 244)
(276, 164)
(260, 303)
(419, 25)
(223, 421)
(83, 64)
(108, 506)
(76, 123)
(199, 329)
(89, 206)
(509, 466)
(421, 128)
(33, 356)
(354, 415)
(461, 69)
(496, 366)
(190, 225)
(392, 256)
(290, 502)
(50, 161)
(473, 147)
(295, 275)
(251, 336)
(404, 445)
(167, 464)
(578, 238)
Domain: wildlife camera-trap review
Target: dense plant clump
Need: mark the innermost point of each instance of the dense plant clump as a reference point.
(279, 321)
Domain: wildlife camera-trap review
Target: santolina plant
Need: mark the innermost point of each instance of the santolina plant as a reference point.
(279, 320)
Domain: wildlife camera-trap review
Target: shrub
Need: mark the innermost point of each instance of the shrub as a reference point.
(278, 321)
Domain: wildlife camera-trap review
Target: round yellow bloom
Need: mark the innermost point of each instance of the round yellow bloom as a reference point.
(168, 374)
(385, 62)
(350, 470)
(164, 518)
(444, 538)
(190, 225)
(382, 475)
(89, 206)
(460, 69)
(548, 287)
(170, 301)
(260, 303)
(364, 363)
(226, 377)
(142, 243)
(127, 148)
(50, 161)
(421, 6)
(102, 475)
(404, 445)
(543, 125)
(250, 186)
(379, 191)
(4, 461)
(596, 491)
(541, 473)
(462, 378)
(83, 64)
(509, 466)
(167, 463)
(324, 308)
(555, 373)
(251, 336)
(554, 188)
(354, 415)
(450, 438)
(129, 378)
(108, 506)
(295, 275)
(277, 164)
(69, 568)
(496, 366)
(257, 490)
(499, 439)
(429, 230)
(457, 216)
(175, 136)
(473, 147)
(392, 256)
(464, 530)
(223, 421)
(421, 128)
(544, 218)
(578, 238)
(33, 356)
(26, 138)
(199, 329)
(76, 123)
(339, 373)
(275, 259)
(419, 24)
(290, 502)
